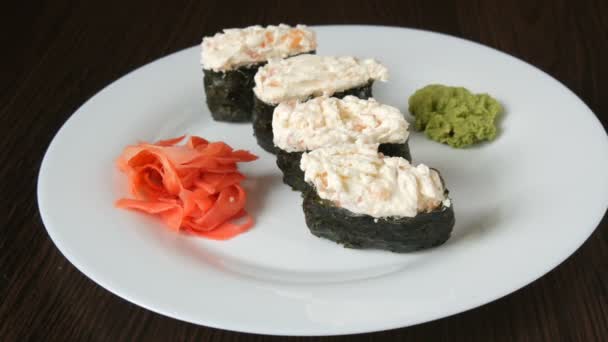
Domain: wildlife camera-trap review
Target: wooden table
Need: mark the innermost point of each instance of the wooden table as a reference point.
(59, 54)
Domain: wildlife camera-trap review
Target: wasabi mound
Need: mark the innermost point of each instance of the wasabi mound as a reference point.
(454, 115)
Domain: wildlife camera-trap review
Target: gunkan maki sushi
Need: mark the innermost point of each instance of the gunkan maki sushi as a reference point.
(231, 58)
(362, 199)
(328, 121)
(306, 76)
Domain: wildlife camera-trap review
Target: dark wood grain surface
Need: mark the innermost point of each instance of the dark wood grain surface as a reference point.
(58, 54)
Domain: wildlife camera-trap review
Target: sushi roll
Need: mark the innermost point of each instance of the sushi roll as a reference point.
(230, 60)
(307, 76)
(362, 199)
(328, 121)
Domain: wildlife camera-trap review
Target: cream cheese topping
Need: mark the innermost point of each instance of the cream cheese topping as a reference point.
(328, 121)
(359, 179)
(235, 48)
(302, 76)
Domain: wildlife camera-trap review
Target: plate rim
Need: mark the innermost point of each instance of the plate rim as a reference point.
(471, 304)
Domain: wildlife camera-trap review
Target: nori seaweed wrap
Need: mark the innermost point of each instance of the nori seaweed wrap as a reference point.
(396, 234)
(360, 198)
(324, 122)
(231, 59)
(289, 163)
(230, 94)
(262, 115)
(307, 76)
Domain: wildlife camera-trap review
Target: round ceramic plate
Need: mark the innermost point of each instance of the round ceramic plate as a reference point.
(523, 203)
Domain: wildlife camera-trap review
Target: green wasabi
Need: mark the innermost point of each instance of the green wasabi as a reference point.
(454, 115)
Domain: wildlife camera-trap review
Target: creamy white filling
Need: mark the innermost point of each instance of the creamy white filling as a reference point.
(359, 179)
(302, 76)
(328, 121)
(241, 47)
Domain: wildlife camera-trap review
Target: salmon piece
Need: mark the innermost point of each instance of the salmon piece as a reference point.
(269, 38)
(295, 42)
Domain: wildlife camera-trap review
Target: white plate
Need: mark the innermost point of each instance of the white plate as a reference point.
(523, 203)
